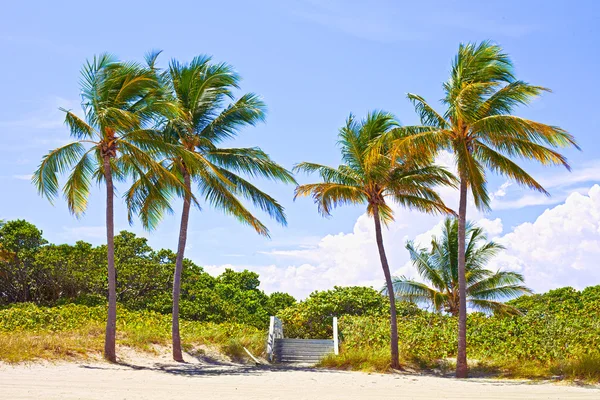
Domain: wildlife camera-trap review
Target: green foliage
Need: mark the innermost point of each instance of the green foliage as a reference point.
(279, 301)
(122, 102)
(438, 267)
(49, 274)
(561, 326)
(371, 176)
(209, 114)
(478, 124)
(312, 318)
(20, 242)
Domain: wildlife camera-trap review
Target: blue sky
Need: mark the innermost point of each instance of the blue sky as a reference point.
(314, 62)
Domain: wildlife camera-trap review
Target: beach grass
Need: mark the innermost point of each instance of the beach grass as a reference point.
(29, 332)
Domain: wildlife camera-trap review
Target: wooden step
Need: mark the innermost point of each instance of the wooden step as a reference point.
(304, 341)
(309, 351)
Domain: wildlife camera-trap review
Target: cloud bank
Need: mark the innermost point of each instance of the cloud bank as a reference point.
(561, 247)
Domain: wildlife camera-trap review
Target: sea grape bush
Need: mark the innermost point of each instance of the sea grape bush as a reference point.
(313, 317)
(560, 324)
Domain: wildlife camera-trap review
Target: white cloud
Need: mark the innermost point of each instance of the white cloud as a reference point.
(493, 227)
(561, 247)
(556, 250)
(501, 192)
(560, 184)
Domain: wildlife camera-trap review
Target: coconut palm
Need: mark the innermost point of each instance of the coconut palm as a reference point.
(439, 268)
(480, 130)
(113, 141)
(374, 178)
(201, 90)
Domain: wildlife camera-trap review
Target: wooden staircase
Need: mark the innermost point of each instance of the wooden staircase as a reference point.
(304, 351)
(298, 351)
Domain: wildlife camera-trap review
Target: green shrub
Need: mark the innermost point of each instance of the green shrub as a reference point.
(313, 317)
(28, 331)
(559, 331)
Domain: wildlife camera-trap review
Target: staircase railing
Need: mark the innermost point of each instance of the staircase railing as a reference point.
(275, 332)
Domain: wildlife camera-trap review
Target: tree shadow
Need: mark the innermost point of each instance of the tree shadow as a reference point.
(207, 366)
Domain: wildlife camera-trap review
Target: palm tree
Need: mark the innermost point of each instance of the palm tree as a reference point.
(480, 130)
(113, 141)
(439, 267)
(372, 178)
(201, 90)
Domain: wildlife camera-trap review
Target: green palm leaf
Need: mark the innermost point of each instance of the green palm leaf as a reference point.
(437, 267)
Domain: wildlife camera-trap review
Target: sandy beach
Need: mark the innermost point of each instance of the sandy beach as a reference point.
(203, 378)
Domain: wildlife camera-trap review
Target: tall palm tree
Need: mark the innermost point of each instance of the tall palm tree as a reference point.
(113, 140)
(480, 130)
(374, 178)
(201, 90)
(439, 267)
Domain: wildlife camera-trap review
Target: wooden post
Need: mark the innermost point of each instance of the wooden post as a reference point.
(271, 339)
(336, 348)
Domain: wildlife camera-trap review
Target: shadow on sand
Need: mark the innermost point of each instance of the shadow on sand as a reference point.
(207, 366)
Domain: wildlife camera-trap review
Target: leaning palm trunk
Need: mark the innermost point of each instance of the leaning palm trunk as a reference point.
(185, 215)
(461, 358)
(111, 321)
(395, 362)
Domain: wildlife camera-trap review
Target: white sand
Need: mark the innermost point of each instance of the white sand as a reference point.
(145, 378)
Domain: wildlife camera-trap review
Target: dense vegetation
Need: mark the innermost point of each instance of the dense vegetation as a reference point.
(53, 306)
(31, 270)
(557, 332)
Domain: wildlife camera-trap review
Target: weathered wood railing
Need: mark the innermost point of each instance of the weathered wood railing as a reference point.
(275, 332)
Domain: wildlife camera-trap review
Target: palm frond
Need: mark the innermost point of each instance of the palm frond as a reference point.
(413, 291)
(429, 117)
(344, 176)
(77, 186)
(55, 163)
(78, 127)
(251, 161)
(328, 195)
(258, 198)
(490, 306)
(247, 111)
(496, 162)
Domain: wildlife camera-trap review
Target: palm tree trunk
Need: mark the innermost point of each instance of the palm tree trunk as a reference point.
(185, 215)
(111, 321)
(461, 358)
(395, 361)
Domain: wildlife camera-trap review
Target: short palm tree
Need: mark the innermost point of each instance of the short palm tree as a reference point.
(112, 142)
(201, 90)
(479, 128)
(374, 178)
(439, 268)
